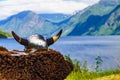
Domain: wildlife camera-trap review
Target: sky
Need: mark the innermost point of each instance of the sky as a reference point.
(10, 7)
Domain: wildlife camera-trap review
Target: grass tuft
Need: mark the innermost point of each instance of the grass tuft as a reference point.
(81, 72)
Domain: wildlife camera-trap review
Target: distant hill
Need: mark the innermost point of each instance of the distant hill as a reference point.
(94, 20)
(27, 23)
(107, 24)
(55, 17)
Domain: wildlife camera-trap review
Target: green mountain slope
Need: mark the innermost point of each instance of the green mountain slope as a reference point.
(112, 24)
(92, 20)
(99, 25)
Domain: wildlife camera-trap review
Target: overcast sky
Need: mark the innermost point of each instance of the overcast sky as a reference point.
(10, 7)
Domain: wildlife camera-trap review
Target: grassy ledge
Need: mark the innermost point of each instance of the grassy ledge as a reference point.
(4, 34)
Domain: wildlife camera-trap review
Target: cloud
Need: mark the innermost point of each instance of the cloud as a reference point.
(2, 0)
(90, 2)
(10, 7)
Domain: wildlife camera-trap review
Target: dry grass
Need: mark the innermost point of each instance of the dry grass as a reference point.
(110, 77)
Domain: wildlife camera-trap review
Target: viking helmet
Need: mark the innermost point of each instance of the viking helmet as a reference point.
(36, 41)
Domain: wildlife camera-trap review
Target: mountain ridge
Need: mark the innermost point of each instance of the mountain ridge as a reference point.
(93, 20)
(27, 23)
(92, 24)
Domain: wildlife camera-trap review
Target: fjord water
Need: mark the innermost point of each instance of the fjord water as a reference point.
(83, 48)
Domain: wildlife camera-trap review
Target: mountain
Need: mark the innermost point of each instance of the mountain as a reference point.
(27, 23)
(94, 20)
(100, 19)
(55, 17)
(99, 25)
(109, 3)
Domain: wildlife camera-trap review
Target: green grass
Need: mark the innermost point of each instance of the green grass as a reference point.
(90, 75)
(4, 34)
(81, 72)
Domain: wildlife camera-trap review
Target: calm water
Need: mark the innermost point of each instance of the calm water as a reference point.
(83, 48)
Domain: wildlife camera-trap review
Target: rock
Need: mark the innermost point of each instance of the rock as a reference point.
(42, 65)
